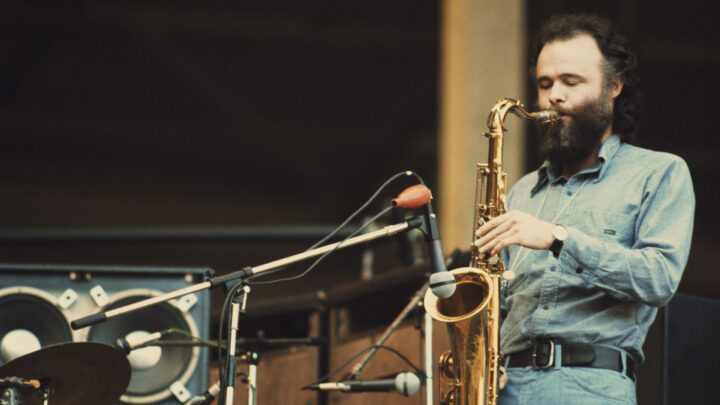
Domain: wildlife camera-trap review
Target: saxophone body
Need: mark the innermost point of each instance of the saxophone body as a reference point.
(472, 313)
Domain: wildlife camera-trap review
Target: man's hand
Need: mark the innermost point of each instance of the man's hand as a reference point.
(503, 379)
(514, 228)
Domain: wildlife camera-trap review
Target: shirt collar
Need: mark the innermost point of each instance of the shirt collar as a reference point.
(606, 152)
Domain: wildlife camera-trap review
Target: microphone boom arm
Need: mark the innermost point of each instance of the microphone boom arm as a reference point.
(246, 272)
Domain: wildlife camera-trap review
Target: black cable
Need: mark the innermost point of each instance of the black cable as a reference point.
(367, 203)
(319, 259)
(231, 293)
(341, 226)
(358, 354)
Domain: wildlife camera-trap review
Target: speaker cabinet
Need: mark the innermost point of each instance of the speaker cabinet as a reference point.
(37, 303)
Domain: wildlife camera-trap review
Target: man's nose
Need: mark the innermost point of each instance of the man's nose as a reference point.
(558, 94)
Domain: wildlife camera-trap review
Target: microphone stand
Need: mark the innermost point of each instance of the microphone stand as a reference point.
(243, 274)
(239, 302)
(419, 294)
(429, 365)
(427, 348)
(427, 334)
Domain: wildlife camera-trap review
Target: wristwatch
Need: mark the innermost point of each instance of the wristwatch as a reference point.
(559, 234)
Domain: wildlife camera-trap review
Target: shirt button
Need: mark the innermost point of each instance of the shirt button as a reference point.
(552, 268)
(578, 270)
(546, 307)
(569, 192)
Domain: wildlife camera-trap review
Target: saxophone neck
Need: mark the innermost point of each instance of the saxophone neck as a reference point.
(504, 106)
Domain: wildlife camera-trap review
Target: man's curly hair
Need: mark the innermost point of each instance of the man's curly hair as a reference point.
(619, 62)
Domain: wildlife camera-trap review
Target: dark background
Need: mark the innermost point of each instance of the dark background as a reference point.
(224, 118)
(184, 133)
(179, 115)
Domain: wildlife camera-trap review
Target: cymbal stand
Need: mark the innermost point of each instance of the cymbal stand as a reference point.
(10, 394)
(253, 359)
(46, 396)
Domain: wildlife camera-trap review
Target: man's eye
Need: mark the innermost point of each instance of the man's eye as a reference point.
(544, 85)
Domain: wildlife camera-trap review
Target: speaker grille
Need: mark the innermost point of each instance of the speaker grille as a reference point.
(176, 364)
(59, 294)
(27, 308)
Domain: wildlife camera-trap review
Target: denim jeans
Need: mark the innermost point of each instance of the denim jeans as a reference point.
(567, 386)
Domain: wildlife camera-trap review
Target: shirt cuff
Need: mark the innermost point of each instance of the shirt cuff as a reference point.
(578, 255)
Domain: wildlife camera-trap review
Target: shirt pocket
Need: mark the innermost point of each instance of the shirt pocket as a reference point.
(607, 226)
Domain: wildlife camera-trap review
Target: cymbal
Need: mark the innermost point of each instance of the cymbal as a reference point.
(77, 373)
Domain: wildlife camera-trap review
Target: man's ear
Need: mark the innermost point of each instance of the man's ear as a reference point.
(616, 87)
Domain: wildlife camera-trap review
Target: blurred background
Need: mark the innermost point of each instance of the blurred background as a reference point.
(223, 134)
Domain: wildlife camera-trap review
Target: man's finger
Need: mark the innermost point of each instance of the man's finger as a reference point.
(503, 379)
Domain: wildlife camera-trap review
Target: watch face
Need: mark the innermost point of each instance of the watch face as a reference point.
(559, 232)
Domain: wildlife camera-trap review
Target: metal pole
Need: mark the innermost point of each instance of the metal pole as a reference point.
(252, 380)
(429, 365)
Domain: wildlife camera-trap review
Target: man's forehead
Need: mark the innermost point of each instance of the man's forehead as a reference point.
(578, 55)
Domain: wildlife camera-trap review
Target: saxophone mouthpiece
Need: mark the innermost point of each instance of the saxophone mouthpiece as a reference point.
(547, 116)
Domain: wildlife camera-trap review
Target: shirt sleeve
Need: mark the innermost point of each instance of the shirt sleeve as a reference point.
(649, 271)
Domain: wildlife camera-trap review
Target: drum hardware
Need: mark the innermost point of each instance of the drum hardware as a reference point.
(11, 387)
(67, 374)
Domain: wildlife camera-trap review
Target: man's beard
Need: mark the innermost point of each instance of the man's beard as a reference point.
(569, 142)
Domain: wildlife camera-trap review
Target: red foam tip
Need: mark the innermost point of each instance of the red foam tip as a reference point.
(413, 197)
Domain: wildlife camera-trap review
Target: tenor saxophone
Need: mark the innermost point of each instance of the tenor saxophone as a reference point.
(472, 313)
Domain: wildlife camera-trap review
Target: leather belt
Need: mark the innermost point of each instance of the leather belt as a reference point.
(543, 355)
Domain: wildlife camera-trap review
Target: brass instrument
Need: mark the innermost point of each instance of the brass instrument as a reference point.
(472, 313)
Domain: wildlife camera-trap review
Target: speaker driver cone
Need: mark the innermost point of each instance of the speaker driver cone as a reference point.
(29, 319)
(154, 368)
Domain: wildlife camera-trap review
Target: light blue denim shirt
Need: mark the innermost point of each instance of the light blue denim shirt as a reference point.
(629, 222)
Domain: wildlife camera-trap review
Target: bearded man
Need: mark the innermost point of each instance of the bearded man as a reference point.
(598, 236)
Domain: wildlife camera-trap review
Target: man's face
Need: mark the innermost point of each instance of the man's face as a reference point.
(570, 79)
(569, 73)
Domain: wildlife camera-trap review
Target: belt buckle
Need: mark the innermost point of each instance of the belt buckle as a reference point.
(551, 355)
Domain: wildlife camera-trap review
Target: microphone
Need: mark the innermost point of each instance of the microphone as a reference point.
(137, 339)
(206, 397)
(442, 282)
(405, 384)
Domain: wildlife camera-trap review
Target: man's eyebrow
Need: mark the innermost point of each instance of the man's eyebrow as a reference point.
(572, 76)
(562, 76)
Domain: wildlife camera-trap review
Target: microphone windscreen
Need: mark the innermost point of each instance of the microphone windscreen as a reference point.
(442, 284)
(413, 197)
(407, 384)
